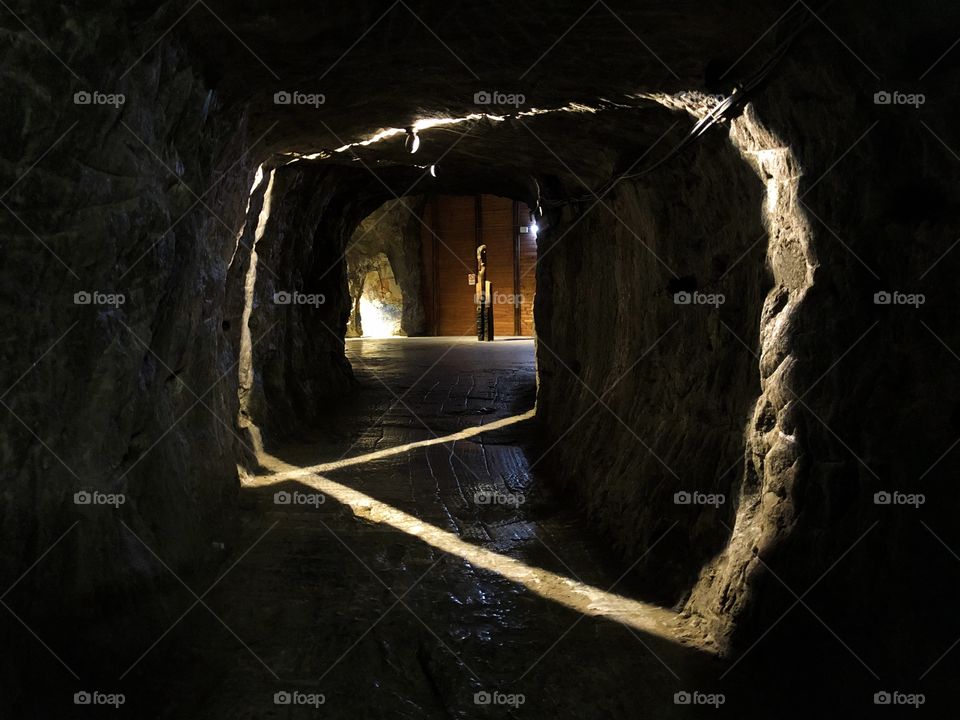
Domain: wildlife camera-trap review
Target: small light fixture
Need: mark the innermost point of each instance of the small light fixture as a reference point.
(412, 143)
(433, 171)
(534, 229)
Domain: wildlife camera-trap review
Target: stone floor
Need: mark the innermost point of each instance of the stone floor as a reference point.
(419, 570)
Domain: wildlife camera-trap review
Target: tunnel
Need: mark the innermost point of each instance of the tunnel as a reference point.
(474, 360)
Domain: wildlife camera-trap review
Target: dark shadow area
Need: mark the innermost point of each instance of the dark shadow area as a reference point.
(300, 597)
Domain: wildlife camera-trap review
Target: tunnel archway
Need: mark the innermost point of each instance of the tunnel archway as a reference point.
(376, 296)
(652, 261)
(177, 212)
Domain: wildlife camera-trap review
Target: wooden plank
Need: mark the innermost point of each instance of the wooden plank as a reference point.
(428, 251)
(526, 262)
(457, 258)
(497, 220)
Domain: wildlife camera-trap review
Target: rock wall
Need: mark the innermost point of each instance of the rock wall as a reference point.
(298, 304)
(798, 398)
(118, 378)
(642, 397)
(851, 385)
(394, 230)
(375, 296)
(802, 396)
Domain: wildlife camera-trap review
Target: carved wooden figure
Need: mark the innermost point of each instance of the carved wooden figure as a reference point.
(483, 295)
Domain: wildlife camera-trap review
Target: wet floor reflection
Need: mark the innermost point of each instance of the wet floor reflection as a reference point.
(388, 568)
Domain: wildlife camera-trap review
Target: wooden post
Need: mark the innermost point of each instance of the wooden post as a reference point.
(479, 293)
(516, 267)
(488, 306)
(483, 297)
(435, 248)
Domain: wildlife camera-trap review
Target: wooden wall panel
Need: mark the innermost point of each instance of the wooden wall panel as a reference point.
(450, 238)
(497, 223)
(457, 257)
(527, 266)
(428, 250)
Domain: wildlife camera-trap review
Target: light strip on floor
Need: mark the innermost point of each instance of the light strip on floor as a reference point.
(297, 473)
(577, 596)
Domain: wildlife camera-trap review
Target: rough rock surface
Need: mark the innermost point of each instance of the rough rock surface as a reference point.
(824, 396)
(642, 398)
(394, 231)
(299, 301)
(135, 397)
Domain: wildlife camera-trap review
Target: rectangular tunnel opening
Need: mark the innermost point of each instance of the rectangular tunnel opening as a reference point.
(417, 275)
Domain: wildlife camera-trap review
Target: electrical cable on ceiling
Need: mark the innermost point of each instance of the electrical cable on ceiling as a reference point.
(721, 112)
